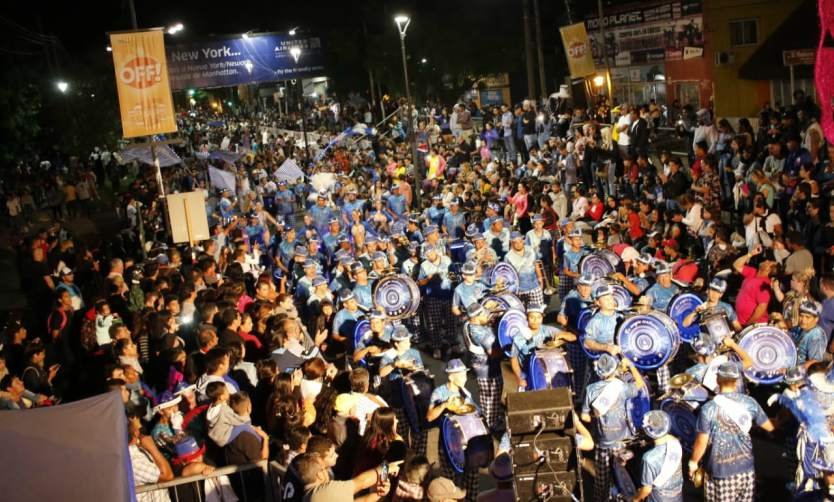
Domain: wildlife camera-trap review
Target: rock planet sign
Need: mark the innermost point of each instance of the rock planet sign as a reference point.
(142, 83)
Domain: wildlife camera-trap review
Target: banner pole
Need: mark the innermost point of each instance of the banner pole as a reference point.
(161, 186)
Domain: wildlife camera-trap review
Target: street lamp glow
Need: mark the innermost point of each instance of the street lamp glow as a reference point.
(190, 92)
(293, 31)
(109, 49)
(295, 52)
(249, 66)
(246, 36)
(402, 23)
(424, 60)
(62, 86)
(173, 30)
(599, 80)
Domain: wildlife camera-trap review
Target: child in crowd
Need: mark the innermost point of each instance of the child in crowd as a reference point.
(226, 423)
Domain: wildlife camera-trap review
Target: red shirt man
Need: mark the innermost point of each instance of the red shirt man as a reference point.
(755, 293)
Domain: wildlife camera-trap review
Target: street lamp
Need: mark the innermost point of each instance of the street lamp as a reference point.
(599, 80)
(173, 30)
(295, 52)
(62, 86)
(403, 22)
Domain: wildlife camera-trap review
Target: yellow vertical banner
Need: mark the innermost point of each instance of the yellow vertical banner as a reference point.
(577, 50)
(142, 82)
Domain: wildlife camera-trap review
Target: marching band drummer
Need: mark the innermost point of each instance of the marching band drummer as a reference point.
(811, 340)
(530, 279)
(379, 339)
(661, 476)
(362, 288)
(541, 242)
(664, 289)
(600, 331)
(605, 401)
(575, 302)
(716, 289)
(441, 399)
(497, 237)
(402, 356)
(571, 257)
(638, 282)
(467, 292)
(707, 361)
(524, 344)
(434, 276)
(485, 357)
(724, 423)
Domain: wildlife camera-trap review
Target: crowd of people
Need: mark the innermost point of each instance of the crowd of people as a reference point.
(271, 341)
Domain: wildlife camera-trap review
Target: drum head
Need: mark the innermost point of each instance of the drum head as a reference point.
(513, 323)
(505, 272)
(638, 406)
(646, 340)
(683, 421)
(466, 440)
(771, 350)
(681, 306)
(623, 297)
(582, 321)
(360, 331)
(612, 258)
(394, 295)
(596, 264)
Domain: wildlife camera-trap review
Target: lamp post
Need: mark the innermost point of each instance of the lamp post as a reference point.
(295, 52)
(402, 25)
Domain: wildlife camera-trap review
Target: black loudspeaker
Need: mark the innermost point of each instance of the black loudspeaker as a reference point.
(546, 485)
(557, 450)
(538, 411)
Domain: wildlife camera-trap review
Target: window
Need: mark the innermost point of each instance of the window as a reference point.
(744, 32)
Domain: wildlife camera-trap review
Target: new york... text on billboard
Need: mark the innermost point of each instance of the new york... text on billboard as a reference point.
(243, 60)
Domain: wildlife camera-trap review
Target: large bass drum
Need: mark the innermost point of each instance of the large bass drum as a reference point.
(683, 420)
(416, 388)
(466, 441)
(505, 273)
(681, 306)
(648, 340)
(398, 295)
(771, 350)
(549, 369)
(513, 323)
(582, 319)
(601, 263)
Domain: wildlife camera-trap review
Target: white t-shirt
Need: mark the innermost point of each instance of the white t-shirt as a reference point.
(623, 139)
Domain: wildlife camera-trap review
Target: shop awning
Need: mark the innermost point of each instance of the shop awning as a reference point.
(799, 31)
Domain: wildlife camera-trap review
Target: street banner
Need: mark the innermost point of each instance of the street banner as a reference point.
(245, 59)
(222, 179)
(577, 50)
(142, 83)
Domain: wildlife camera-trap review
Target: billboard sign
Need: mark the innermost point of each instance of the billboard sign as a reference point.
(243, 60)
(142, 83)
(667, 31)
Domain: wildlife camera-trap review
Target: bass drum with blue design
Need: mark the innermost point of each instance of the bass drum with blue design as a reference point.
(681, 306)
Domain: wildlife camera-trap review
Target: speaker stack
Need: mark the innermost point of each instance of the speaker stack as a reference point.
(542, 436)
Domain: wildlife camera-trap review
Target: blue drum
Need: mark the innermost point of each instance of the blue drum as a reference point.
(466, 441)
(681, 306)
(513, 323)
(683, 420)
(639, 405)
(582, 319)
(548, 369)
(771, 350)
(648, 340)
(457, 248)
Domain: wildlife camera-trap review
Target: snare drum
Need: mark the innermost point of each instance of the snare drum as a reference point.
(416, 389)
(681, 306)
(466, 441)
(683, 421)
(548, 369)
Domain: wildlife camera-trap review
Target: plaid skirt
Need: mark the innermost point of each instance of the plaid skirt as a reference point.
(663, 376)
(489, 394)
(565, 286)
(737, 488)
(532, 297)
(604, 480)
(437, 313)
(578, 361)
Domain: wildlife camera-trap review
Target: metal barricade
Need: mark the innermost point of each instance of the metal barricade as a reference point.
(272, 472)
